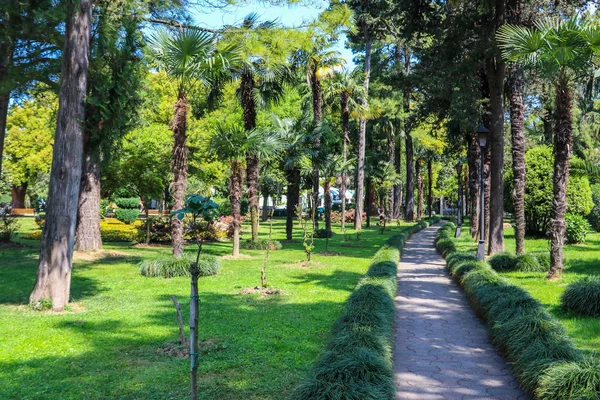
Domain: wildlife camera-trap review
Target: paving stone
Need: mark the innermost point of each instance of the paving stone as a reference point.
(442, 349)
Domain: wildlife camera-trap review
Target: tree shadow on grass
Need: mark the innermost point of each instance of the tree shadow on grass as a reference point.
(337, 280)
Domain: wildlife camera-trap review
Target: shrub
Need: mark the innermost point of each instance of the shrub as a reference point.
(543, 260)
(169, 267)
(40, 220)
(160, 230)
(455, 259)
(112, 230)
(104, 204)
(583, 297)
(528, 263)
(8, 225)
(572, 380)
(336, 216)
(127, 216)
(503, 261)
(577, 228)
(445, 246)
(323, 233)
(131, 203)
(538, 191)
(261, 244)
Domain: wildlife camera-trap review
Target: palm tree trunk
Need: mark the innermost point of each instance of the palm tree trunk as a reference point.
(563, 138)
(53, 279)
(409, 203)
(265, 210)
(87, 234)
(430, 187)
(486, 209)
(327, 198)
(235, 198)
(547, 116)
(517, 128)
(368, 201)
(495, 75)
(249, 114)
(398, 187)
(419, 189)
(179, 170)
(293, 198)
(474, 156)
(389, 211)
(18, 195)
(346, 139)
(362, 137)
(317, 95)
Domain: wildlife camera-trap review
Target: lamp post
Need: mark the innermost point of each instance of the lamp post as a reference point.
(482, 135)
(459, 216)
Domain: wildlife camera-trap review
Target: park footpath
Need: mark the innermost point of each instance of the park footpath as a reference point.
(442, 349)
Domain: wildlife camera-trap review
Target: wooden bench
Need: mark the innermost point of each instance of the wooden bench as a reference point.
(23, 211)
(155, 212)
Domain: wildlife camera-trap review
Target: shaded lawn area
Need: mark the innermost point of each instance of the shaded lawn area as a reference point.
(105, 346)
(580, 261)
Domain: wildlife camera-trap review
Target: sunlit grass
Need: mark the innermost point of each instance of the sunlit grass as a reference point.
(105, 347)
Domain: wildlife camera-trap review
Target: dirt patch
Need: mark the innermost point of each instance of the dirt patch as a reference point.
(303, 264)
(328, 253)
(177, 350)
(96, 255)
(240, 257)
(263, 291)
(151, 245)
(71, 308)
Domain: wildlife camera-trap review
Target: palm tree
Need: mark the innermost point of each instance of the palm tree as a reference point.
(319, 62)
(559, 50)
(345, 88)
(189, 57)
(232, 143)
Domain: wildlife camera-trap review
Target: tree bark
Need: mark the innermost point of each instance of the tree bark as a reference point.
(346, 130)
(517, 128)
(6, 53)
(430, 187)
(563, 140)
(495, 74)
(249, 110)
(293, 198)
(419, 189)
(18, 195)
(265, 210)
(317, 96)
(235, 197)
(397, 211)
(486, 209)
(179, 170)
(368, 201)
(56, 248)
(389, 208)
(327, 198)
(474, 179)
(409, 203)
(87, 234)
(362, 137)
(4, 100)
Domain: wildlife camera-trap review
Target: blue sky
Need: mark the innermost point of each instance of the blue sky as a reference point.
(292, 15)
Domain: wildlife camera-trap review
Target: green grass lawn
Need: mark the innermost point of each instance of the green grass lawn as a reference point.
(580, 260)
(105, 346)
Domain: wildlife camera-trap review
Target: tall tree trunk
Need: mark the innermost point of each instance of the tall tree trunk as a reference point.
(419, 189)
(547, 117)
(563, 140)
(389, 208)
(517, 128)
(148, 222)
(235, 198)
(4, 100)
(495, 75)
(474, 156)
(368, 201)
(293, 198)
(362, 137)
(346, 130)
(397, 211)
(265, 210)
(409, 203)
(87, 234)
(327, 198)
(179, 170)
(53, 279)
(430, 187)
(317, 96)
(249, 111)
(18, 195)
(487, 193)
(6, 53)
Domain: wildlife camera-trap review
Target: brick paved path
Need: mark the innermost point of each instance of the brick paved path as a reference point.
(442, 349)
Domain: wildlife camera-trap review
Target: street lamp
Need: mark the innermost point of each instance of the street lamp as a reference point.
(459, 215)
(482, 136)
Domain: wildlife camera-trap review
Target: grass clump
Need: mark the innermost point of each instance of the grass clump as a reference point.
(503, 261)
(169, 267)
(573, 380)
(457, 258)
(543, 260)
(528, 263)
(261, 244)
(583, 297)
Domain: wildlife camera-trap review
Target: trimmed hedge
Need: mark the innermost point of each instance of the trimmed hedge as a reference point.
(357, 363)
(583, 297)
(503, 261)
(169, 267)
(544, 359)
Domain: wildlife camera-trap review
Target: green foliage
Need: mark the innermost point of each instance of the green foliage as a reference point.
(132, 203)
(160, 230)
(455, 259)
(169, 267)
(445, 246)
(573, 380)
(583, 297)
(538, 191)
(8, 225)
(577, 228)
(44, 304)
(261, 244)
(127, 216)
(529, 263)
(503, 261)
(104, 204)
